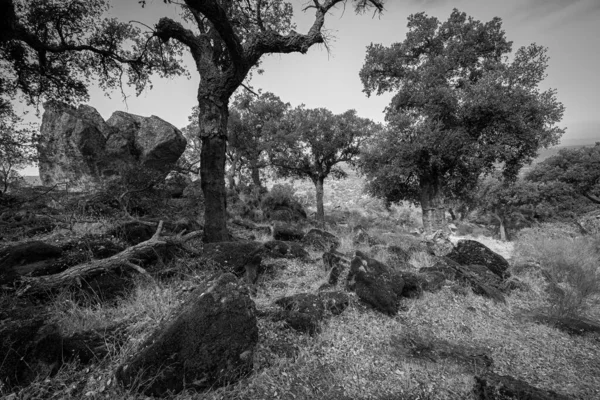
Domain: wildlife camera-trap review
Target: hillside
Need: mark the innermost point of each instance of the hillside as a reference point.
(434, 347)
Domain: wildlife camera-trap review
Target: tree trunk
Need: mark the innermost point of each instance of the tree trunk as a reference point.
(502, 228)
(213, 130)
(232, 171)
(432, 205)
(320, 211)
(255, 172)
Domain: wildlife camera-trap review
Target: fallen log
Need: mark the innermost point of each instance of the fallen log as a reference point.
(74, 275)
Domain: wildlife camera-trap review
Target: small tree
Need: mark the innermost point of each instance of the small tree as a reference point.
(17, 148)
(189, 162)
(459, 110)
(312, 142)
(577, 168)
(525, 201)
(254, 119)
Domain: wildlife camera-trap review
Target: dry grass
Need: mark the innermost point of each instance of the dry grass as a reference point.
(355, 356)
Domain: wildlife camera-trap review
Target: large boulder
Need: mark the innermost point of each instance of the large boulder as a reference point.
(209, 344)
(375, 283)
(77, 146)
(471, 252)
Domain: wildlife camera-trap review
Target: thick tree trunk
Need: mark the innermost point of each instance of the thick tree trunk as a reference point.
(213, 130)
(432, 204)
(320, 210)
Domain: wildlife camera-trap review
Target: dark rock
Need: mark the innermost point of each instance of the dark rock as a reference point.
(281, 249)
(31, 349)
(398, 254)
(209, 344)
(439, 244)
(287, 233)
(132, 232)
(335, 302)
(413, 284)
(335, 263)
(478, 277)
(471, 252)
(303, 312)
(574, 325)
(24, 259)
(375, 283)
(321, 240)
(426, 347)
(240, 258)
(79, 147)
(491, 386)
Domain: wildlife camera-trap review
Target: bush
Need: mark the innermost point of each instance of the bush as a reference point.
(571, 264)
(280, 203)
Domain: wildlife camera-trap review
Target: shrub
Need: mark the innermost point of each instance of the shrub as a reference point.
(281, 203)
(571, 264)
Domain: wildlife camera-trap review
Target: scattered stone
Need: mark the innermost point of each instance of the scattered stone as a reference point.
(375, 283)
(471, 252)
(335, 302)
(287, 233)
(439, 245)
(321, 240)
(303, 312)
(491, 386)
(210, 343)
(413, 284)
(335, 263)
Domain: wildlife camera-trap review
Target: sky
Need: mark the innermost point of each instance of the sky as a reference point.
(328, 76)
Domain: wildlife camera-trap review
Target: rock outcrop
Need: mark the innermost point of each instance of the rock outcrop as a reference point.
(77, 146)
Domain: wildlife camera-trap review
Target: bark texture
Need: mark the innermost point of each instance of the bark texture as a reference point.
(432, 204)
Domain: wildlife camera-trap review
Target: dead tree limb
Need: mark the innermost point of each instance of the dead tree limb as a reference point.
(74, 275)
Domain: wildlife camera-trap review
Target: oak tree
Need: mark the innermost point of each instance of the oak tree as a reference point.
(311, 144)
(254, 121)
(578, 168)
(460, 109)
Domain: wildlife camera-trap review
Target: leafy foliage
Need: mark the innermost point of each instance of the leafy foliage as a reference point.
(52, 49)
(253, 121)
(578, 169)
(459, 109)
(313, 142)
(17, 147)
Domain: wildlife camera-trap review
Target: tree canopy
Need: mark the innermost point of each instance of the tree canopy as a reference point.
(578, 168)
(311, 143)
(460, 109)
(254, 120)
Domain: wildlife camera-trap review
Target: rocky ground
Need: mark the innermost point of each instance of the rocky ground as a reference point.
(372, 311)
